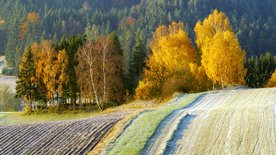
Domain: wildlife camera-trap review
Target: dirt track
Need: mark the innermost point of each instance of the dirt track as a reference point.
(225, 122)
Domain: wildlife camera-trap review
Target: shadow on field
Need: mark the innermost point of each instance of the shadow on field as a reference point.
(177, 135)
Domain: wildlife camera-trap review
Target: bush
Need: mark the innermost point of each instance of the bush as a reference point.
(8, 102)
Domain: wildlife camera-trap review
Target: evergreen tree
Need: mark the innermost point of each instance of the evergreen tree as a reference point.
(71, 45)
(25, 87)
(259, 70)
(137, 64)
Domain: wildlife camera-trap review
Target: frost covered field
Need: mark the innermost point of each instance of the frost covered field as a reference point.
(221, 122)
(64, 137)
(225, 122)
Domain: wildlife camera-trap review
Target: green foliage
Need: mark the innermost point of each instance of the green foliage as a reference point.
(26, 87)
(253, 22)
(138, 62)
(70, 45)
(8, 102)
(259, 70)
(21, 118)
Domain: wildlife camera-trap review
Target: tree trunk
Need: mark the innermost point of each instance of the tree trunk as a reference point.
(94, 88)
(104, 75)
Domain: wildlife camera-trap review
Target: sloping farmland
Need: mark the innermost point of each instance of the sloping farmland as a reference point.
(224, 122)
(67, 137)
(230, 122)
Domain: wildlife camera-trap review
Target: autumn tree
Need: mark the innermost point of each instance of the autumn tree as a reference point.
(33, 17)
(272, 81)
(170, 60)
(222, 56)
(26, 87)
(71, 46)
(115, 78)
(100, 63)
(87, 58)
(29, 24)
(2, 22)
(51, 69)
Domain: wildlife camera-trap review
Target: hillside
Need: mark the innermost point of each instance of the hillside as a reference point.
(241, 121)
(252, 22)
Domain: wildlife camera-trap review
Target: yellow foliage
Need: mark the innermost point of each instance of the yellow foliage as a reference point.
(51, 67)
(33, 17)
(144, 90)
(272, 80)
(200, 81)
(2, 22)
(23, 30)
(222, 56)
(172, 53)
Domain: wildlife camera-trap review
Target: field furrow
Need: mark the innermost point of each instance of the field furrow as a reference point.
(231, 122)
(68, 137)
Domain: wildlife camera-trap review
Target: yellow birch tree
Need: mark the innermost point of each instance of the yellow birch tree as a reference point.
(222, 56)
(172, 54)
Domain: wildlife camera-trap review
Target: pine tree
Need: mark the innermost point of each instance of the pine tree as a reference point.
(25, 87)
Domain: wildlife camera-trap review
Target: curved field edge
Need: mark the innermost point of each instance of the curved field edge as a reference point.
(134, 138)
(114, 133)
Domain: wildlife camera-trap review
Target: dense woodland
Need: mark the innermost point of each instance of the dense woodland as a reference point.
(132, 20)
(105, 52)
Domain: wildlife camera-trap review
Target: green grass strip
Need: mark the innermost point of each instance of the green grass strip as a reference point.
(20, 118)
(134, 138)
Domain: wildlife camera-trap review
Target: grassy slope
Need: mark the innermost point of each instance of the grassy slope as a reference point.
(134, 138)
(20, 118)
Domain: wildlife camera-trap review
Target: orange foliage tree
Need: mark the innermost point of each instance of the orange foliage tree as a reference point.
(33, 17)
(51, 69)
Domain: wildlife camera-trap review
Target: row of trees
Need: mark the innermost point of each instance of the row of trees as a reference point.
(92, 68)
(74, 70)
(218, 60)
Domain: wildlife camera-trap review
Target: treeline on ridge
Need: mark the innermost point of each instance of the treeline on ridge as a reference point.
(78, 71)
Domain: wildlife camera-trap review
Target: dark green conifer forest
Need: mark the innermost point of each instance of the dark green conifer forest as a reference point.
(253, 22)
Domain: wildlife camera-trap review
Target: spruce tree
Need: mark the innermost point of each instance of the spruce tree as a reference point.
(137, 64)
(25, 86)
(259, 70)
(71, 45)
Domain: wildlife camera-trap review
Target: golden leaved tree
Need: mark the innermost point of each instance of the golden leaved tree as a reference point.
(170, 60)
(51, 68)
(272, 80)
(222, 56)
